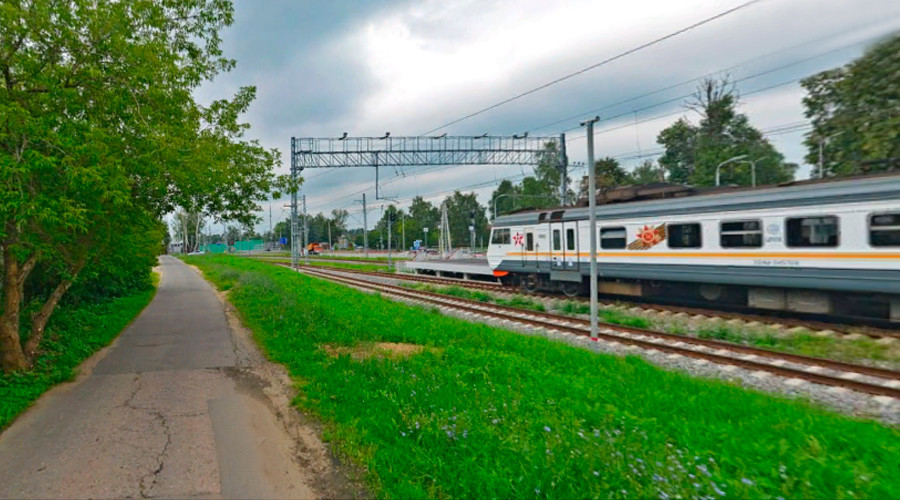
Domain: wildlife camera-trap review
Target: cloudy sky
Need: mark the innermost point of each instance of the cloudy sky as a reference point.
(407, 66)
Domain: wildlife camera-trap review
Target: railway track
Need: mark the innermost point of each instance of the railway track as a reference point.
(866, 379)
(693, 312)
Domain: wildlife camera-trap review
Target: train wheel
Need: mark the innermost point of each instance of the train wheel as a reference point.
(570, 289)
(530, 283)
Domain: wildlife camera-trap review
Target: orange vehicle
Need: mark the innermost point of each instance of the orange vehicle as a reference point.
(314, 248)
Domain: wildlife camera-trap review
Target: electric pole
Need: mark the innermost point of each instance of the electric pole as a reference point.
(305, 232)
(592, 218)
(563, 164)
(271, 234)
(403, 228)
(390, 219)
(365, 226)
(472, 231)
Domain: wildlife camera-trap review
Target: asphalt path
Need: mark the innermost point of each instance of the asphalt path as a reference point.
(181, 405)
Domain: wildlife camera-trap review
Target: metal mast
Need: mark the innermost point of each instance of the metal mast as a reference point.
(592, 204)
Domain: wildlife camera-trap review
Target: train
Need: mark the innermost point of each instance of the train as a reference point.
(829, 247)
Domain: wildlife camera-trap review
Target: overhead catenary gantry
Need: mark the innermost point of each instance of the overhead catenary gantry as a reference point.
(418, 151)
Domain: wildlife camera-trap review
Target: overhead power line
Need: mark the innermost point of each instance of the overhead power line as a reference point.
(597, 65)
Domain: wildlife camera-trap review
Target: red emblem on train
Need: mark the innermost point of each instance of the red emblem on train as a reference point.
(518, 238)
(648, 237)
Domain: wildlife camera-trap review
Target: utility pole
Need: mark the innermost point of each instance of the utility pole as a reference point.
(365, 227)
(592, 218)
(403, 228)
(563, 169)
(295, 233)
(329, 235)
(305, 232)
(390, 219)
(271, 234)
(821, 168)
(472, 231)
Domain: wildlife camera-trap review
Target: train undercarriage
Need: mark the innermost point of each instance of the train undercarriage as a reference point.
(869, 306)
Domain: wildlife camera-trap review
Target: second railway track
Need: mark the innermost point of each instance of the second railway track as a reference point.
(644, 307)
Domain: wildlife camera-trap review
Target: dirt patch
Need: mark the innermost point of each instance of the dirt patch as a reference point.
(374, 350)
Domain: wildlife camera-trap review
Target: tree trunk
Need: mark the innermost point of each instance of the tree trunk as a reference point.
(197, 234)
(39, 321)
(12, 358)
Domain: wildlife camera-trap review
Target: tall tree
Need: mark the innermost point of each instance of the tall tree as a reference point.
(648, 173)
(693, 152)
(540, 190)
(422, 214)
(609, 174)
(460, 209)
(855, 112)
(100, 130)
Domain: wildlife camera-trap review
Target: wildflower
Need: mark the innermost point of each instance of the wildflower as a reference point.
(597, 473)
(537, 491)
(657, 477)
(704, 470)
(663, 495)
(402, 433)
(747, 481)
(717, 490)
(465, 433)
(696, 485)
(494, 421)
(546, 429)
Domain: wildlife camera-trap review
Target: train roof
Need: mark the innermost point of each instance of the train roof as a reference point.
(726, 199)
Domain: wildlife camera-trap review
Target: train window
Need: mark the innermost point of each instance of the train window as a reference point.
(685, 236)
(529, 241)
(613, 237)
(884, 230)
(570, 239)
(812, 231)
(500, 237)
(741, 234)
(542, 216)
(557, 215)
(557, 240)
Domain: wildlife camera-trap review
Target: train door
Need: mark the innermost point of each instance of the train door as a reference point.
(531, 247)
(557, 252)
(570, 245)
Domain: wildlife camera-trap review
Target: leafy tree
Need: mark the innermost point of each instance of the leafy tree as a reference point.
(538, 191)
(694, 151)
(459, 208)
(423, 214)
(609, 174)
(101, 135)
(855, 112)
(186, 227)
(648, 173)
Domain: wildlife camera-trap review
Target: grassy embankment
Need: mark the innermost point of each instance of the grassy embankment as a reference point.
(74, 333)
(805, 343)
(340, 265)
(484, 412)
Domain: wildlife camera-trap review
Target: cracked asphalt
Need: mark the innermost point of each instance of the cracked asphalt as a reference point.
(181, 405)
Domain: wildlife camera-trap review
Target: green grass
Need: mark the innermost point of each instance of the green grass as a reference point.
(339, 265)
(72, 335)
(487, 413)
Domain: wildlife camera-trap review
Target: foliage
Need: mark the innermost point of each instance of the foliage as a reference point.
(540, 190)
(101, 134)
(73, 334)
(460, 209)
(692, 152)
(855, 112)
(484, 412)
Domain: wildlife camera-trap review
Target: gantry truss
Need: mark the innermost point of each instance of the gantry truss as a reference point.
(418, 151)
(331, 152)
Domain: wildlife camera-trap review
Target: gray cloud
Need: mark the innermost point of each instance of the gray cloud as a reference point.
(314, 78)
